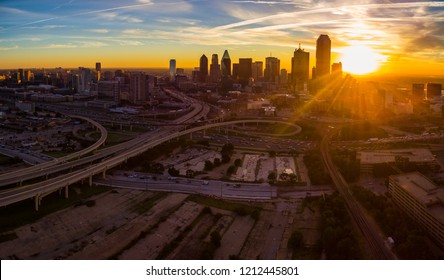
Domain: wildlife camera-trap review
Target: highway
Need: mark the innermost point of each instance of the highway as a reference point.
(200, 110)
(47, 167)
(371, 235)
(213, 188)
(41, 189)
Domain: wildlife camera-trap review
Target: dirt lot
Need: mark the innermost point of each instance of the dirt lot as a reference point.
(129, 224)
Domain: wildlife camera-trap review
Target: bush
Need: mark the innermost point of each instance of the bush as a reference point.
(215, 238)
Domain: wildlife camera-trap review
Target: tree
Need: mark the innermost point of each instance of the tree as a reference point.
(225, 158)
(190, 173)
(231, 169)
(217, 162)
(238, 162)
(173, 171)
(272, 176)
(208, 165)
(295, 240)
(215, 238)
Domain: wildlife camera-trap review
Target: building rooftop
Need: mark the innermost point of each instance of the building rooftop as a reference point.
(387, 156)
(424, 191)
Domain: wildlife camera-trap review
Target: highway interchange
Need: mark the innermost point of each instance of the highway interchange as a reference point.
(76, 168)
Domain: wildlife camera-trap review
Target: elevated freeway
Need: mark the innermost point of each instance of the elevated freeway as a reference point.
(74, 160)
(38, 170)
(39, 190)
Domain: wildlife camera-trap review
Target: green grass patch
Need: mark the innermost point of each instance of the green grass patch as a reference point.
(148, 203)
(23, 213)
(4, 160)
(238, 208)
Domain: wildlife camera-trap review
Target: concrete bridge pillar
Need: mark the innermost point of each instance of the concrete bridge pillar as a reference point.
(66, 192)
(90, 181)
(104, 174)
(191, 136)
(37, 202)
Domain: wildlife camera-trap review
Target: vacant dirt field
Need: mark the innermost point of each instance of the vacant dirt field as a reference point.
(130, 224)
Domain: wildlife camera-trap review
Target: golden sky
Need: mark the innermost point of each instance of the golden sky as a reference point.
(386, 36)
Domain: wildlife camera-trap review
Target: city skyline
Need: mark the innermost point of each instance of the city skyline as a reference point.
(404, 37)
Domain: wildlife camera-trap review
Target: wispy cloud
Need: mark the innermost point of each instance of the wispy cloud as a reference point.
(8, 48)
(76, 45)
(101, 31)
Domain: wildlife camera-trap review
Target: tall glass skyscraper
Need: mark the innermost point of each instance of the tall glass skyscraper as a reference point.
(203, 68)
(215, 69)
(323, 52)
(300, 68)
(272, 69)
(226, 65)
(172, 68)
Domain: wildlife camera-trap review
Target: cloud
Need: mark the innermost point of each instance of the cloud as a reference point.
(128, 43)
(9, 48)
(45, 27)
(89, 44)
(116, 16)
(101, 31)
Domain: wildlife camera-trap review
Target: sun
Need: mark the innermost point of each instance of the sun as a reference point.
(361, 60)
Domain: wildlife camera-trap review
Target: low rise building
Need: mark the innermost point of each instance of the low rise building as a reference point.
(422, 200)
(421, 157)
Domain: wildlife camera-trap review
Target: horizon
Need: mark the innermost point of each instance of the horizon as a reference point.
(404, 37)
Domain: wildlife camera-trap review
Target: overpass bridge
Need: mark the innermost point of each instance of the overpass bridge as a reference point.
(39, 190)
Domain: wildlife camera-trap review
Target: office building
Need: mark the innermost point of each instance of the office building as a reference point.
(323, 53)
(433, 90)
(108, 90)
(257, 71)
(98, 70)
(172, 69)
(141, 87)
(235, 73)
(422, 200)
(203, 68)
(84, 80)
(336, 70)
(215, 69)
(420, 157)
(300, 68)
(284, 76)
(226, 65)
(244, 73)
(272, 69)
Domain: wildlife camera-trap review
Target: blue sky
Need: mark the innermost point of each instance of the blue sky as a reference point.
(136, 33)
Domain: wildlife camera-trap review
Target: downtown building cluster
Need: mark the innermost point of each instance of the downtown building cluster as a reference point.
(256, 76)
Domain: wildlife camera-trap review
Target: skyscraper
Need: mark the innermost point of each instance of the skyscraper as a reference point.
(257, 70)
(203, 68)
(284, 76)
(98, 70)
(300, 68)
(214, 69)
(336, 70)
(244, 70)
(84, 80)
(141, 86)
(272, 69)
(323, 53)
(172, 69)
(433, 90)
(226, 65)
